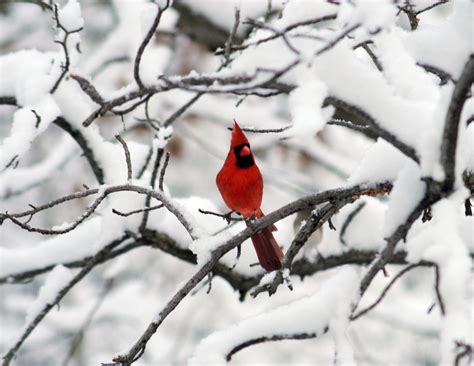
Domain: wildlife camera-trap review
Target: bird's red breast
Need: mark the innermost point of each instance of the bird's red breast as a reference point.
(239, 181)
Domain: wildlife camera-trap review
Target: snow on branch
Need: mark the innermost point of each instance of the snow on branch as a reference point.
(359, 122)
(330, 303)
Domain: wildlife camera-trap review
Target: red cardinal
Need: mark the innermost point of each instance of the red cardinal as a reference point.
(241, 187)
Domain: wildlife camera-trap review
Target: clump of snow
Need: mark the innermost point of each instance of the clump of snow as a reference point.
(65, 248)
(25, 128)
(70, 16)
(401, 70)
(373, 15)
(301, 11)
(408, 190)
(55, 282)
(162, 137)
(305, 107)
(442, 244)
(223, 15)
(455, 34)
(331, 304)
(362, 86)
(382, 162)
(164, 221)
(204, 247)
(25, 75)
(17, 180)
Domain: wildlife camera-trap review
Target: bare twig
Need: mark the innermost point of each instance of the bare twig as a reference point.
(349, 219)
(232, 34)
(126, 214)
(163, 171)
(438, 293)
(464, 350)
(384, 292)
(154, 173)
(146, 40)
(226, 217)
(182, 109)
(273, 338)
(63, 44)
(372, 55)
(284, 31)
(127, 157)
(88, 88)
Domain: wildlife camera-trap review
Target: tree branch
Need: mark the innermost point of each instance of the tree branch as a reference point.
(453, 116)
(78, 277)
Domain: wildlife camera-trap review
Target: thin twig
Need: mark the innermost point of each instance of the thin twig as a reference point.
(263, 130)
(127, 157)
(163, 171)
(154, 173)
(348, 220)
(146, 40)
(438, 293)
(126, 214)
(232, 34)
(87, 322)
(384, 292)
(63, 44)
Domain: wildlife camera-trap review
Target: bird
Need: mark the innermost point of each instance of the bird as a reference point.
(240, 184)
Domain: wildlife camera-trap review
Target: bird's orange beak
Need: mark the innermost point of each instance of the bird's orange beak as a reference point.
(245, 151)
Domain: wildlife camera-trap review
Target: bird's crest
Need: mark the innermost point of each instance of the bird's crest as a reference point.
(238, 137)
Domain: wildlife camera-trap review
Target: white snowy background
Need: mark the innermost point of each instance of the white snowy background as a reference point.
(359, 93)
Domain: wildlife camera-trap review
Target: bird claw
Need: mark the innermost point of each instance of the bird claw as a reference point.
(227, 217)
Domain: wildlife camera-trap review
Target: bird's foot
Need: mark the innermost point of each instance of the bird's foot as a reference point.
(227, 217)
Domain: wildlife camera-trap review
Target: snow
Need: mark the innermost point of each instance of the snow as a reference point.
(203, 225)
(65, 248)
(332, 303)
(24, 75)
(407, 192)
(25, 129)
(401, 70)
(223, 15)
(56, 280)
(382, 162)
(305, 107)
(443, 245)
(403, 99)
(162, 137)
(373, 15)
(14, 181)
(360, 85)
(301, 11)
(455, 34)
(70, 16)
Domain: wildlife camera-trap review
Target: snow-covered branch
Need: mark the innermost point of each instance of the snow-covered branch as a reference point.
(358, 115)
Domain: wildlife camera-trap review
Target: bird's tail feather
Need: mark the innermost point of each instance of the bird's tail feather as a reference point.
(268, 251)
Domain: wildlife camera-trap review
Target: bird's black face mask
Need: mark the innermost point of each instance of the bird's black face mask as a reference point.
(245, 161)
